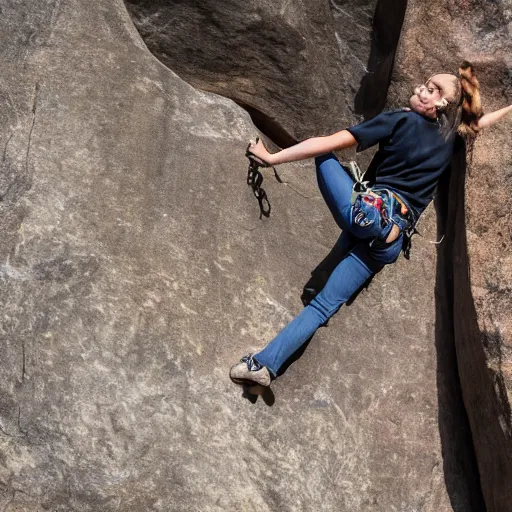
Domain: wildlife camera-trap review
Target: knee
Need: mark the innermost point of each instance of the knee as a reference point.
(323, 309)
(319, 160)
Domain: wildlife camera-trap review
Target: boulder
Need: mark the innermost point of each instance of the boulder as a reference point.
(295, 66)
(135, 270)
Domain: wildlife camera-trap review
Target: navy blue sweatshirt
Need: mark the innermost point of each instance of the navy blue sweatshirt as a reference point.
(412, 154)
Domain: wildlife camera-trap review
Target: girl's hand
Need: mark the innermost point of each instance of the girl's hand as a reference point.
(258, 150)
(493, 117)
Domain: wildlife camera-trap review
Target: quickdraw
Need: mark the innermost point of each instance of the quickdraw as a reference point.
(255, 180)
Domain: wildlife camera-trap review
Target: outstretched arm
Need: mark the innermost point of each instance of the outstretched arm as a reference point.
(306, 149)
(492, 117)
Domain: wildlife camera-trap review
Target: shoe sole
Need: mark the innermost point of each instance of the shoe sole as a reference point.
(243, 377)
(250, 382)
(241, 380)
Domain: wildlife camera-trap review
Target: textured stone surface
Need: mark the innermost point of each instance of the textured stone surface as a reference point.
(135, 271)
(478, 257)
(296, 64)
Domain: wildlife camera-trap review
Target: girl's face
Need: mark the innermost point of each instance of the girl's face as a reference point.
(426, 96)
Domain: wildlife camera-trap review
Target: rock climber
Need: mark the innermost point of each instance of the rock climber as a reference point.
(415, 148)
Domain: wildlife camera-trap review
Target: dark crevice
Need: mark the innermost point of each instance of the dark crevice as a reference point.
(483, 390)
(387, 25)
(460, 465)
(268, 126)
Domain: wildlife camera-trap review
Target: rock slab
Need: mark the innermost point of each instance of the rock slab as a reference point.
(135, 271)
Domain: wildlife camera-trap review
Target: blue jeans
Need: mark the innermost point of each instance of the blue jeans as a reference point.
(358, 261)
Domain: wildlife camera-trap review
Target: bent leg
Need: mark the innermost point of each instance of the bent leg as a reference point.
(351, 273)
(336, 185)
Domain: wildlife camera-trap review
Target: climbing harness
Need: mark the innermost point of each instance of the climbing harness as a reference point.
(391, 207)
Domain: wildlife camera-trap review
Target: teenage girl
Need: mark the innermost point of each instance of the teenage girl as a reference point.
(415, 148)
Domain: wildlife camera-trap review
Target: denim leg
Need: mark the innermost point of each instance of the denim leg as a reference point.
(336, 185)
(345, 243)
(350, 274)
(319, 276)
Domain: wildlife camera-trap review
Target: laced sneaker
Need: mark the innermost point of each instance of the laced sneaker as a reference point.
(248, 369)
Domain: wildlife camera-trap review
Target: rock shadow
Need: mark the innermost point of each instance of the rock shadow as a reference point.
(252, 392)
(460, 467)
(387, 24)
(268, 126)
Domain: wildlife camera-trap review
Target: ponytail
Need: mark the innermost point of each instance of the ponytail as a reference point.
(470, 102)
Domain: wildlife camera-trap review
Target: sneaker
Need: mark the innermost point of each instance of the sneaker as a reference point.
(248, 369)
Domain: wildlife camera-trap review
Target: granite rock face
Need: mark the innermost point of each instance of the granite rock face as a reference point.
(134, 271)
(294, 65)
(477, 256)
(473, 306)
